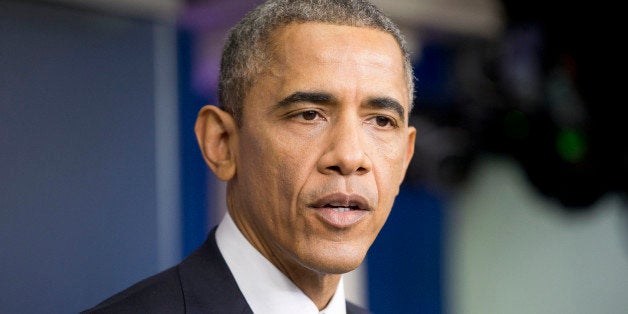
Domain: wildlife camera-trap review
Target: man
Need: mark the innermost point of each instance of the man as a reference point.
(313, 141)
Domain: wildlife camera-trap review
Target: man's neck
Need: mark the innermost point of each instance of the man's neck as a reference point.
(319, 287)
(280, 291)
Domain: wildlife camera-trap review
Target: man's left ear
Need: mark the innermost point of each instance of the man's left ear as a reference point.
(216, 133)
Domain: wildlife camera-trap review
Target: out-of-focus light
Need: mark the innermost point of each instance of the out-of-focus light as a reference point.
(571, 145)
(160, 10)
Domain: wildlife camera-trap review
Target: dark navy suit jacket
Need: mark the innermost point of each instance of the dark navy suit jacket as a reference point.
(202, 283)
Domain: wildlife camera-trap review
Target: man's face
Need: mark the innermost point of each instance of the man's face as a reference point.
(323, 146)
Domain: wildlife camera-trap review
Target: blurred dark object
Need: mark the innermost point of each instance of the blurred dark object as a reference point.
(539, 94)
(557, 121)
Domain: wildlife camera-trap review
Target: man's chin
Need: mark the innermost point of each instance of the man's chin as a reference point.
(335, 264)
(343, 269)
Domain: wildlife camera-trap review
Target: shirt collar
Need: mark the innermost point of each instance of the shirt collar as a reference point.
(265, 288)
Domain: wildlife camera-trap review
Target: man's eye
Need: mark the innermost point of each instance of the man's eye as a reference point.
(309, 115)
(383, 121)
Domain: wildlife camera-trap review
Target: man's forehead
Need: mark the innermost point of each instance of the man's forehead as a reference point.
(291, 31)
(305, 49)
(313, 41)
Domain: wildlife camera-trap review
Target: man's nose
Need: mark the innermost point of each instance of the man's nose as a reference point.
(345, 152)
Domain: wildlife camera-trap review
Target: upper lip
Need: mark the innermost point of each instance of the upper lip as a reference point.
(342, 200)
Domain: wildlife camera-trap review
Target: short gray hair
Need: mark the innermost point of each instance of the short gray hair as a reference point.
(245, 51)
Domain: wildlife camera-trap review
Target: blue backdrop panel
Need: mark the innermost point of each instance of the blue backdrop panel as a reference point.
(194, 171)
(77, 156)
(405, 262)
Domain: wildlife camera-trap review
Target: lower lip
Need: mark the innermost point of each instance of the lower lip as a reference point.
(341, 220)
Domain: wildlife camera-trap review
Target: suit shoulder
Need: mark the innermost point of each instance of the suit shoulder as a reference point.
(160, 293)
(354, 309)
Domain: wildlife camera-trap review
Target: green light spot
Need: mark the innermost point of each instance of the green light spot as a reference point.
(571, 145)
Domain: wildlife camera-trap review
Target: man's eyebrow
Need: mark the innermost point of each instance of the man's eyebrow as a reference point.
(388, 104)
(312, 97)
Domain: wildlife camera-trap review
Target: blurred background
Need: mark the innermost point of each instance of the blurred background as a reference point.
(515, 201)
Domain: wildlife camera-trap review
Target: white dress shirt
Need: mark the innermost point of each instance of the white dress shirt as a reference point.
(266, 289)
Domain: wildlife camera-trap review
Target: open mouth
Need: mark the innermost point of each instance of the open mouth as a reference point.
(342, 202)
(341, 210)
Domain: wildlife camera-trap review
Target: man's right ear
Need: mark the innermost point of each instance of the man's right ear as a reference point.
(216, 132)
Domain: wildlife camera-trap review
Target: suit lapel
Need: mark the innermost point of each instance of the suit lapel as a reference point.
(209, 287)
(207, 283)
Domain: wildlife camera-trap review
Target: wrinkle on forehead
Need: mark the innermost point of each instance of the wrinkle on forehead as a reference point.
(352, 57)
